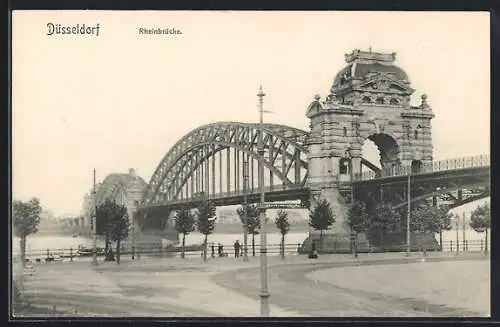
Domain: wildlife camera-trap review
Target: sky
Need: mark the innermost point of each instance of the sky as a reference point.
(120, 100)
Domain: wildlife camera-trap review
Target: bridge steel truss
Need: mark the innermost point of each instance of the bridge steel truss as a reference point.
(459, 186)
(209, 162)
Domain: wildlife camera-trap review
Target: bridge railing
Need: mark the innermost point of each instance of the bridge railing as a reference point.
(436, 166)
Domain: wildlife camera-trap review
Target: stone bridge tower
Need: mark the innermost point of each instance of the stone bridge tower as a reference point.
(369, 99)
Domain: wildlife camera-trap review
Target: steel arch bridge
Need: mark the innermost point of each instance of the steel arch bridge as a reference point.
(209, 162)
(191, 166)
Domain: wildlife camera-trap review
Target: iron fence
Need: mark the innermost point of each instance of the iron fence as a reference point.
(49, 255)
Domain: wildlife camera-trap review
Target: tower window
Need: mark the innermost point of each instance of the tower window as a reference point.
(416, 135)
(344, 166)
(367, 100)
(345, 131)
(380, 101)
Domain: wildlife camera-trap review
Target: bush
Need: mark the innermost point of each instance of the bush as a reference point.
(18, 304)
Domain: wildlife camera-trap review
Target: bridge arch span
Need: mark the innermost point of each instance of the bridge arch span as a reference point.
(191, 151)
(284, 146)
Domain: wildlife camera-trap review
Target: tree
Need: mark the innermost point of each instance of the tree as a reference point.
(26, 216)
(205, 222)
(184, 224)
(432, 219)
(383, 219)
(252, 225)
(283, 225)
(103, 212)
(321, 218)
(357, 219)
(118, 222)
(480, 221)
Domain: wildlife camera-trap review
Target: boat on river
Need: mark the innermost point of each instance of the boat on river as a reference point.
(87, 252)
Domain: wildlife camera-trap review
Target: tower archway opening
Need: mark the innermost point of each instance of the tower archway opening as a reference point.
(370, 153)
(381, 150)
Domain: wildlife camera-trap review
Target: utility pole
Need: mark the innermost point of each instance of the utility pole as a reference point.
(408, 213)
(245, 209)
(94, 217)
(457, 217)
(408, 193)
(354, 235)
(463, 232)
(136, 205)
(264, 292)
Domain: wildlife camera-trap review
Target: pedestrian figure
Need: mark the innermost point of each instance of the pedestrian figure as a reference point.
(213, 250)
(110, 255)
(219, 249)
(237, 249)
(314, 253)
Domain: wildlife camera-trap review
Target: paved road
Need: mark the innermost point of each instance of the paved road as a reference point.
(77, 290)
(291, 289)
(225, 287)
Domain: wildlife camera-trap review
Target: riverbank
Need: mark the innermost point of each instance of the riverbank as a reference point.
(295, 227)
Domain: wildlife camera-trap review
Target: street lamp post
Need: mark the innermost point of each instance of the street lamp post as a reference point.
(264, 293)
(408, 199)
(435, 204)
(354, 236)
(136, 203)
(94, 217)
(245, 209)
(408, 213)
(457, 217)
(464, 248)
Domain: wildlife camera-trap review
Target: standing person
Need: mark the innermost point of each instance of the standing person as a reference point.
(219, 249)
(213, 250)
(237, 249)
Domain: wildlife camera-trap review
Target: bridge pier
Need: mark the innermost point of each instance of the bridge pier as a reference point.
(323, 181)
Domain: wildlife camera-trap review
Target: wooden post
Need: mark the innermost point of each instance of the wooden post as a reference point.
(71, 254)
